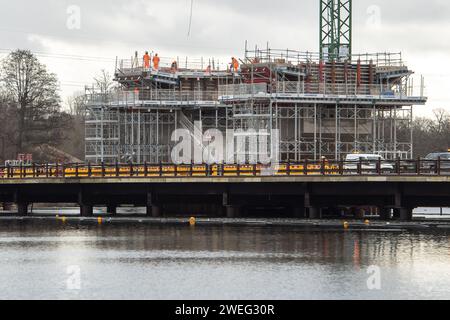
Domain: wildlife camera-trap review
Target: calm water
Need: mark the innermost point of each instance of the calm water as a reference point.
(168, 262)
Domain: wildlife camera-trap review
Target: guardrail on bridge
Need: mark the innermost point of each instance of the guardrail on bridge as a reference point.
(397, 167)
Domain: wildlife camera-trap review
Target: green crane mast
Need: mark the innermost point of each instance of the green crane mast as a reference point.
(335, 29)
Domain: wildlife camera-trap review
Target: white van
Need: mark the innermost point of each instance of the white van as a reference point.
(368, 162)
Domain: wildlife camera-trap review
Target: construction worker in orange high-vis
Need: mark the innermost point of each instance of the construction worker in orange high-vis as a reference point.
(156, 61)
(146, 60)
(234, 64)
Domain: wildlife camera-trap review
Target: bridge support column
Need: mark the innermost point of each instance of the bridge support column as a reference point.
(299, 212)
(112, 209)
(86, 204)
(233, 211)
(221, 211)
(315, 213)
(385, 213)
(154, 211)
(406, 214)
(87, 210)
(396, 214)
(22, 208)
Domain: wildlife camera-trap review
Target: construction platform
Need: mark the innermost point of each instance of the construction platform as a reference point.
(320, 107)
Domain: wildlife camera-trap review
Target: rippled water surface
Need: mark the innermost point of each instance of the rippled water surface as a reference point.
(179, 262)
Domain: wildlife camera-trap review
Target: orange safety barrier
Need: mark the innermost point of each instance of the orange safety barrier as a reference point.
(408, 167)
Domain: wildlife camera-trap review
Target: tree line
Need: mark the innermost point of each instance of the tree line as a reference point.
(32, 112)
(431, 134)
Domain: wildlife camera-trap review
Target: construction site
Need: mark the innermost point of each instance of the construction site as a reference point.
(325, 104)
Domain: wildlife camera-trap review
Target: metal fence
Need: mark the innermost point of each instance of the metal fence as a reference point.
(137, 97)
(342, 89)
(397, 167)
(391, 59)
(136, 65)
(242, 89)
(301, 87)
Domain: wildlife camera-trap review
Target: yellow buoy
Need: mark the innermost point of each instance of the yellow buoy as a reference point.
(367, 222)
(63, 219)
(192, 221)
(99, 220)
(346, 225)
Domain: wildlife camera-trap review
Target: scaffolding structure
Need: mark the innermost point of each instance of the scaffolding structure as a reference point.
(321, 108)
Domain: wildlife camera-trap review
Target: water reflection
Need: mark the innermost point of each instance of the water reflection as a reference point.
(181, 262)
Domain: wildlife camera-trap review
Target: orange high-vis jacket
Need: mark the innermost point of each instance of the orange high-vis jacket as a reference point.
(147, 61)
(156, 62)
(235, 64)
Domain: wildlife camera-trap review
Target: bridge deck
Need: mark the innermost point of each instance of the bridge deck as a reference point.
(229, 180)
(302, 189)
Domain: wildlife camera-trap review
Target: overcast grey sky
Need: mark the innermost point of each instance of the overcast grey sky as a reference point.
(419, 29)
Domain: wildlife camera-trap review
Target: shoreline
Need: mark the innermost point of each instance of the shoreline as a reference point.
(307, 224)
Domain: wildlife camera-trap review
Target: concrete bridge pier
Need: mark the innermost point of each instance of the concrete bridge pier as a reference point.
(233, 211)
(402, 211)
(299, 212)
(406, 214)
(153, 209)
(385, 213)
(315, 213)
(87, 210)
(22, 208)
(112, 209)
(221, 210)
(396, 213)
(86, 207)
(21, 203)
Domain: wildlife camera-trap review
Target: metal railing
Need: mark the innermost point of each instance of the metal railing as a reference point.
(419, 167)
(183, 63)
(242, 89)
(295, 57)
(131, 97)
(301, 87)
(335, 89)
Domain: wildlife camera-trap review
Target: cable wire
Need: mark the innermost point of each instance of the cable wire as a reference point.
(190, 18)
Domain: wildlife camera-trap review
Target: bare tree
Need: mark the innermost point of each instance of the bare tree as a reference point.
(442, 119)
(104, 81)
(74, 141)
(6, 111)
(33, 99)
(77, 104)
